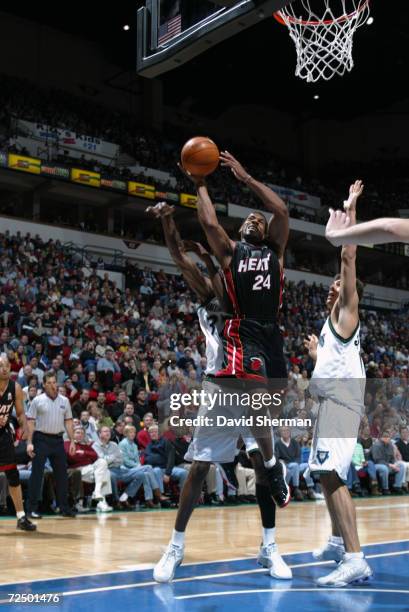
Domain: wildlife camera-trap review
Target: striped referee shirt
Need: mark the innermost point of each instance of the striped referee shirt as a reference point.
(50, 415)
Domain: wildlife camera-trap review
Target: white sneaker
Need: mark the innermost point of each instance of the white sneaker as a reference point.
(349, 571)
(271, 558)
(319, 495)
(165, 569)
(80, 507)
(330, 552)
(102, 506)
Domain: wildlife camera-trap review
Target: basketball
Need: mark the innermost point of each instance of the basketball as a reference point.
(200, 156)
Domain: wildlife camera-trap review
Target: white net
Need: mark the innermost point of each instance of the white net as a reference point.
(323, 35)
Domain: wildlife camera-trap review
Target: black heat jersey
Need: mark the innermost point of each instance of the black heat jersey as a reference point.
(252, 341)
(254, 282)
(7, 402)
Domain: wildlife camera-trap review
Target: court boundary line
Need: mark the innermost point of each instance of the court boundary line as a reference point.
(317, 589)
(118, 587)
(190, 563)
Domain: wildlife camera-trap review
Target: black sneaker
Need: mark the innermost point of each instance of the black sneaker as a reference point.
(25, 525)
(69, 513)
(35, 515)
(278, 485)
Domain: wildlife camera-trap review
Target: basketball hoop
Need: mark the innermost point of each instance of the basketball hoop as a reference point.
(323, 41)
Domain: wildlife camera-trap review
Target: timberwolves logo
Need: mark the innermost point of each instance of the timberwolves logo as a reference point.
(322, 456)
(321, 340)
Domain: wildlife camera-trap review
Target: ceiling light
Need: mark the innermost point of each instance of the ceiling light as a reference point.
(370, 21)
(126, 28)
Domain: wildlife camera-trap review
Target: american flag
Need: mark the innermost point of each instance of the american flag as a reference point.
(171, 28)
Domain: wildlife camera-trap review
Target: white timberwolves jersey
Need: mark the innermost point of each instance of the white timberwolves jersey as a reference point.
(339, 373)
(211, 323)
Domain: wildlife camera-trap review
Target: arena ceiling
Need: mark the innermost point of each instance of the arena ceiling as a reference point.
(257, 66)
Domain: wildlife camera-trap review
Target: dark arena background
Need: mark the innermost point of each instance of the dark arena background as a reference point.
(99, 330)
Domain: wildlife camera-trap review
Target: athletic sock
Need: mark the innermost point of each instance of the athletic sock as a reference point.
(270, 463)
(338, 540)
(178, 538)
(20, 514)
(269, 536)
(353, 556)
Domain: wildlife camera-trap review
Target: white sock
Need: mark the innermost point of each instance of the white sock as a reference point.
(269, 536)
(336, 540)
(123, 497)
(178, 538)
(20, 514)
(353, 556)
(271, 463)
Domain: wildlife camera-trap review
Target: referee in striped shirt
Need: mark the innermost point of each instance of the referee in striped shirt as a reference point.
(48, 416)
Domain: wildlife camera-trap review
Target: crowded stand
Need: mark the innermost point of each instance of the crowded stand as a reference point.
(119, 354)
(385, 178)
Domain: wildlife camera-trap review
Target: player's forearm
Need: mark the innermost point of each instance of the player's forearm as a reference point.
(377, 231)
(172, 237)
(24, 426)
(272, 202)
(205, 209)
(208, 262)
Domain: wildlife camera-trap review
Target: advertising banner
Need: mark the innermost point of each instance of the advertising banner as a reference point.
(25, 164)
(86, 177)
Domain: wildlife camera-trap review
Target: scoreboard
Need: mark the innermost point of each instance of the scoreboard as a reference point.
(171, 32)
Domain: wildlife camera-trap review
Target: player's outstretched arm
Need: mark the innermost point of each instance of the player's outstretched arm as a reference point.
(192, 275)
(219, 242)
(214, 274)
(21, 417)
(378, 231)
(348, 297)
(279, 225)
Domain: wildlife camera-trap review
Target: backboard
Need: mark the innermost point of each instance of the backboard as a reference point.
(172, 32)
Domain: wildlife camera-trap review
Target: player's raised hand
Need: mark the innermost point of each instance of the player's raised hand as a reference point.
(228, 161)
(161, 209)
(338, 220)
(355, 191)
(197, 180)
(311, 343)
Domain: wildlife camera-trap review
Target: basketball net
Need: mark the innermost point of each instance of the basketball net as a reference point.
(323, 41)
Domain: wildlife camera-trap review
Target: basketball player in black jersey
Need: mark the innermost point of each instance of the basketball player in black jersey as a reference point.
(11, 397)
(211, 294)
(253, 276)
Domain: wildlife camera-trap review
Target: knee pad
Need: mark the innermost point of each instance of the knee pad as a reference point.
(13, 477)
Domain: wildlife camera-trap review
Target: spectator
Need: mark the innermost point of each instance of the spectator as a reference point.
(144, 380)
(153, 483)
(93, 469)
(106, 368)
(143, 437)
(108, 450)
(160, 453)
(385, 464)
(88, 426)
(141, 404)
(117, 433)
(81, 404)
(288, 450)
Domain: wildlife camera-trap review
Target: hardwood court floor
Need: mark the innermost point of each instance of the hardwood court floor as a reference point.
(92, 544)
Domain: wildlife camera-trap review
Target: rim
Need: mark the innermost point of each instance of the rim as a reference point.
(283, 18)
